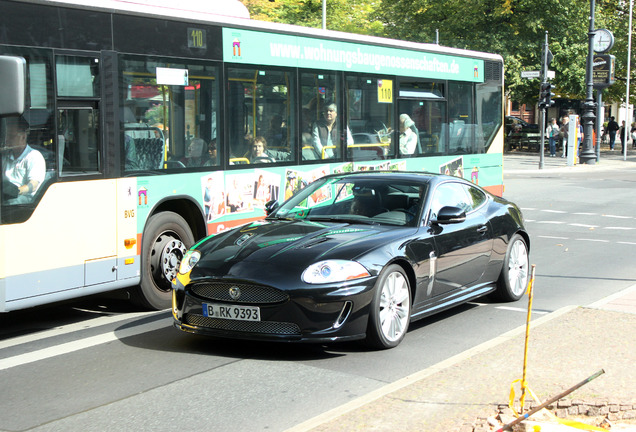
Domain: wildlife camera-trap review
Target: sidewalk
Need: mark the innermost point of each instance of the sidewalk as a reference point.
(565, 347)
(519, 161)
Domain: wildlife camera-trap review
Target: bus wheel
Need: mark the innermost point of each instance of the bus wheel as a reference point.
(165, 241)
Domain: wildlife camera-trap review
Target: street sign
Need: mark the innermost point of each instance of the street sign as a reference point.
(530, 74)
(603, 70)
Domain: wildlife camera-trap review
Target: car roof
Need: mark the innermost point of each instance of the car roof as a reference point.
(387, 176)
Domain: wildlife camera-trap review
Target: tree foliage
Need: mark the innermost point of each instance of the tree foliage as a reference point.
(344, 15)
(515, 29)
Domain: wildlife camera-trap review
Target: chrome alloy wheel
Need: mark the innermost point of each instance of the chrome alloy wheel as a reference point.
(518, 264)
(394, 306)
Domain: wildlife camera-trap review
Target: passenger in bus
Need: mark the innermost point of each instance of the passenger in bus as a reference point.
(195, 156)
(24, 168)
(325, 133)
(408, 138)
(276, 135)
(212, 154)
(259, 152)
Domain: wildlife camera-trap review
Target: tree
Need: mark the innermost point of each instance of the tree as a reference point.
(343, 15)
(515, 29)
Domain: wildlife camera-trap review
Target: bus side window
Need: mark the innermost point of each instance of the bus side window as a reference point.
(370, 117)
(319, 92)
(263, 101)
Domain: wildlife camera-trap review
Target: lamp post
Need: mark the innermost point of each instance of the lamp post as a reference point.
(324, 14)
(587, 153)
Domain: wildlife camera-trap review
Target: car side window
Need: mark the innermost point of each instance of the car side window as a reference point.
(476, 196)
(450, 194)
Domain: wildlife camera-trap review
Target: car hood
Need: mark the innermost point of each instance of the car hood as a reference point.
(269, 246)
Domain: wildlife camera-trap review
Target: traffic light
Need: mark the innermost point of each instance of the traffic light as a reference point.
(545, 95)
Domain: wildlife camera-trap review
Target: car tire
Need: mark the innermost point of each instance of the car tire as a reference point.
(165, 240)
(513, 280)
(390, 311)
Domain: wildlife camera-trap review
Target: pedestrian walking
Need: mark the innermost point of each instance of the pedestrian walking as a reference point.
(552, 132)
(612, 127)
(633, 134)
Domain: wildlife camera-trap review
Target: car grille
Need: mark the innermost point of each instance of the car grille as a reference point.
(260, 327)
(250, 294)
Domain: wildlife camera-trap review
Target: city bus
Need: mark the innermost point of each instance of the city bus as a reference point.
(151, 126)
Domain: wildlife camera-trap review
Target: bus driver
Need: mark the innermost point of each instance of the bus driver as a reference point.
(23, 167)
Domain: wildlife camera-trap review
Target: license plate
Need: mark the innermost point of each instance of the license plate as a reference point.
(234, 312)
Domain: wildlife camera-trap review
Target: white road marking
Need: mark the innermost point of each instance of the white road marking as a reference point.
(554, 211)
(619, 228)
(617, 217)
(593, 240)
(627, 243)
(69, 347)
(93, 323)
(585, 214)
(551, 222)
(583, 225)
(554, 237)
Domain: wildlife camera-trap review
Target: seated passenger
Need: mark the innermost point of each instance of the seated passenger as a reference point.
(195, 153)
(325, 133)
(408, 138)
(259, 152)
(24, 167)
(212, 154)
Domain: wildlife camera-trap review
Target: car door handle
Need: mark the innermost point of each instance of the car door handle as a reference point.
(482, 230)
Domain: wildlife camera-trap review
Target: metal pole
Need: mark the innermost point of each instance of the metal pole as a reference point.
(599, 122)
(544, 109)
(587, 153)
(324, 14)
(628, 122)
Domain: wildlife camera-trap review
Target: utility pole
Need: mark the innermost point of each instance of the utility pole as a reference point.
(545, 98)
(587, 152)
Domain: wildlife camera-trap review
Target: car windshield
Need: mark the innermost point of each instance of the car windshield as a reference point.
(357, 200)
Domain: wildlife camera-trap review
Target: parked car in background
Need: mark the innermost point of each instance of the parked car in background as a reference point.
(520, 133)
(354, 256)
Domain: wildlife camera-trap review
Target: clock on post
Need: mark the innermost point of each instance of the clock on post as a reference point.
(603, 40)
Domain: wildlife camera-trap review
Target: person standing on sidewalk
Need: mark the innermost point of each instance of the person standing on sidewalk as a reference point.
(552, 132)
(564, 134)
(579, 135)
(612, 127)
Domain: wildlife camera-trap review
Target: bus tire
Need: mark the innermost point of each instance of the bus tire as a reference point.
(165, 240)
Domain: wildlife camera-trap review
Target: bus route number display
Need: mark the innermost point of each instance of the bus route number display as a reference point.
(385, 91)
(196, 38)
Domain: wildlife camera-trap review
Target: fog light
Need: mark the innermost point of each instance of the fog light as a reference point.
(344, 314)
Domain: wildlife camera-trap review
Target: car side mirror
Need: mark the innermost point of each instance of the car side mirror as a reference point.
(270, 206)
(450, 215)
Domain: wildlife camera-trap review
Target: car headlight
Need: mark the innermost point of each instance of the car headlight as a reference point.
(334, 271)
(190, 259)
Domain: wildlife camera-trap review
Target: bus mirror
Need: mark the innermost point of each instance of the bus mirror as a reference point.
(12, 85)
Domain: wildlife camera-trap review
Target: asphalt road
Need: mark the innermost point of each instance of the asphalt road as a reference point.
(98, 365)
